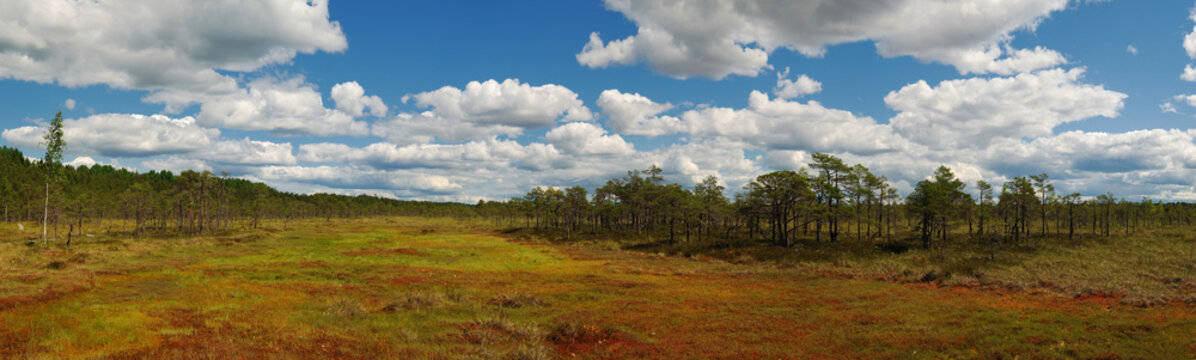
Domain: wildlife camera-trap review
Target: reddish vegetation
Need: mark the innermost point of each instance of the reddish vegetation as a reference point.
(376, 252)
(574, 340)
(406, 280)
(47, 294)
(228, 342)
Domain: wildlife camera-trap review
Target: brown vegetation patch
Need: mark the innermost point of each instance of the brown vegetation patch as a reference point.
(49, 293)
(225, 341)
(382, 252)
(406, 280)
(421, 299)
(240, 238)
(573, 339)
(518, 300)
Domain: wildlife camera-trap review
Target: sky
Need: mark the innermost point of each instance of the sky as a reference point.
(467, 100)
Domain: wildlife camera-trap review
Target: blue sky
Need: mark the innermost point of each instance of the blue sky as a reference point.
(376, 97)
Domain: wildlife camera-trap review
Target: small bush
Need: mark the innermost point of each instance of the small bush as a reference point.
(574, 333)
(516, 301)
(346, 308)
(56, 265)
(416, 300)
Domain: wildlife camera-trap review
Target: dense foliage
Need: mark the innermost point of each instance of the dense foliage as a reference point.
(828, 202)
(91, 199)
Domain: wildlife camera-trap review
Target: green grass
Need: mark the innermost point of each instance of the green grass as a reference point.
(435, 288)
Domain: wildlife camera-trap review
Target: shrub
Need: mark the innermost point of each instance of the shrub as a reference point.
(517, 300)
(346, 308)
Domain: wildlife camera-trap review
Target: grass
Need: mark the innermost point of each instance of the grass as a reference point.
(437, 288)
(1150, 267)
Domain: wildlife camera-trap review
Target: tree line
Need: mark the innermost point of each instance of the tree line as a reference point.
(829, 202)
(73, 201)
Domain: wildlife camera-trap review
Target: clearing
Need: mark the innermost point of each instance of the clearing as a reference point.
(421, 288)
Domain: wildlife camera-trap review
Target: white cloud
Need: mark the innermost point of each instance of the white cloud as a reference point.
(634, 114)
(787, 159)
(169, 44)
(789, 89)
(718, 38)
(508, 103)
(350, 97)
(286, 107)
(470, 156)
(1190, 38)
(1168, 107)
(483, 110)
(120, 135)
(176, 164)
(778, 124)
(426, 127)
(1186, 99)
(587, 139)
(971, 112)
(766, 123)
(248, 152)
(1189, 73)
(1131, 49)
(69, 104)
(81, 161)
(1134, 163)
(351, 177)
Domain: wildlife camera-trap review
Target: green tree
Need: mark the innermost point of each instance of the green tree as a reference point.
(828, 188)
(935, 202)
(1045, 190)
(712, 202)
(51, 164)
(986, 200)
(784, 194)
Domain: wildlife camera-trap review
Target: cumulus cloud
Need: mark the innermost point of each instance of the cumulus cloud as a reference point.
(634, 114)
(1136, 163)
(426, 127)
(69, 104)
(471, 156)
(587, 139)
(483, 110)
(249, 152)
(1189, 73)
(971, 112)
(718, 38)
(766, 123)
(120, 135)
(350, 97)
(508, 103)
(287, 107)
(351, 177)
(176, 164)
(81, 161)
(789, 89)
(779, 124)
(80, 43)
(1168, 107)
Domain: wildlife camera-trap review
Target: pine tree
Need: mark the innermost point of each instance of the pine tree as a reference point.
(50, 164)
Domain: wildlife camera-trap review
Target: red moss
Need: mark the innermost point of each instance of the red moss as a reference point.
(406, 280)
(47, 294)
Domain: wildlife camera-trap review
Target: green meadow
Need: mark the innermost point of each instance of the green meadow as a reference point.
(406, 288)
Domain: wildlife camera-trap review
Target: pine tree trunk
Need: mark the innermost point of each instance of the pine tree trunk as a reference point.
(46, 214)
